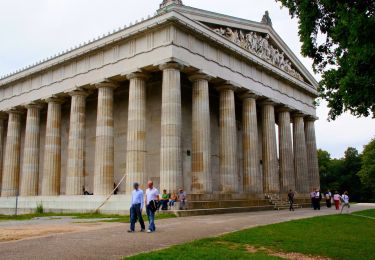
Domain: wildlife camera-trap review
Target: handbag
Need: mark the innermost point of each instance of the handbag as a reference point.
(153, 205)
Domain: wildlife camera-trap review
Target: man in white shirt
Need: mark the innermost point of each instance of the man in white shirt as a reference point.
(136, 208)
(345, 200)
(152, 199)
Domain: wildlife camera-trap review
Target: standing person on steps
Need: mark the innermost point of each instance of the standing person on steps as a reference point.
(291, 200)
(136, 208)
(152, 201)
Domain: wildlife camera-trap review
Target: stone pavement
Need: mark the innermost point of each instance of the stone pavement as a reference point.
(113, 242)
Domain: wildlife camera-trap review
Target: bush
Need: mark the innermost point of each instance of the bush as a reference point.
(39, 208)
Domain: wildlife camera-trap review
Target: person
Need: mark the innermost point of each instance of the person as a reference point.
(328, 197)
(172, 200)
(291, 200)
(182, 199)
(136, 208)
(164, 200)
(317, 199)
(336, 200)
(152, 200)
(345, 201)
(312, 197)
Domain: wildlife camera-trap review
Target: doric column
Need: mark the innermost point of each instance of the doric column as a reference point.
(271, 179)
(253, 182)
(287, 180)
(170, 147)
(11, 169)
(201, 136)
(136, 135)
(52, 149)
(312, 156)
(3, 118)
(104, 146)
(300, 156)
(76, 143)
(228, 141)
(30, 165)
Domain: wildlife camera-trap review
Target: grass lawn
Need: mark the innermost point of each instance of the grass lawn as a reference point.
(107, 217)
(336, 236)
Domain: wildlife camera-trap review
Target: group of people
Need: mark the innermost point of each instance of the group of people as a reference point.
(152, 202)
(316, 197)
(168, 200)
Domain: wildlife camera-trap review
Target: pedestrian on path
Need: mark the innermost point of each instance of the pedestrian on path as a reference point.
(136, 208)
(291, 200)
(182, 199)
(336, 200)
(328, 197)
(345, 201)
(316, 200)
(152, 201)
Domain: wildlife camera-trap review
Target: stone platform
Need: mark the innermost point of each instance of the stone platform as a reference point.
(197, 204)
(118, 204)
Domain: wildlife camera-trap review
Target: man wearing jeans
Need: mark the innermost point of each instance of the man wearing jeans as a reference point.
(152, 196)
(136, 208)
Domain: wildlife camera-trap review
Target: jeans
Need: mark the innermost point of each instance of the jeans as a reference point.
(135, 213)
(151, 218)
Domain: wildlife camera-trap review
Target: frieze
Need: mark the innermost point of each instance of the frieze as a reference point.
(260, 46)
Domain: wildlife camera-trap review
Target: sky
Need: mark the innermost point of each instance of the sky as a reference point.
(34, 30)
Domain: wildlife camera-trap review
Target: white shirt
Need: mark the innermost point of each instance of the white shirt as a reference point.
(151, 194)
(345, 198)
(137, 197)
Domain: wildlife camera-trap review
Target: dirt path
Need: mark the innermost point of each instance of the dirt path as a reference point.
(110, 240)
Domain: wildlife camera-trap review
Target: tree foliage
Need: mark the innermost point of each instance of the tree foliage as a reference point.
(339, 36)
(367, 172)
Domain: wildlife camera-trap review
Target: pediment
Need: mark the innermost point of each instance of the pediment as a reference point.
(260, 44)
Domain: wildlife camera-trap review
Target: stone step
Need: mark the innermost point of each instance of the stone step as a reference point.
(225, 204)
(212, 211)
(222, 196)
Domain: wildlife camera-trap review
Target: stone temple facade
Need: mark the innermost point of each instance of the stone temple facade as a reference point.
(186, 98)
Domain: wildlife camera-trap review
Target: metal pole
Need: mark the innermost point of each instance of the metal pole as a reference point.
(16, 203)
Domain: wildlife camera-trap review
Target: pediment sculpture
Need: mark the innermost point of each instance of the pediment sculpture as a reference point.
(260, 46)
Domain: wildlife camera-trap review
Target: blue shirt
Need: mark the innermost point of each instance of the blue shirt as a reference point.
(137, 197)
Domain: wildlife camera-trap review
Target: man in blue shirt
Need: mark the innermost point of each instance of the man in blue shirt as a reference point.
(136, 208)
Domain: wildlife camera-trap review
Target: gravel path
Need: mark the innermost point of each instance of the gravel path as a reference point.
(111, 241)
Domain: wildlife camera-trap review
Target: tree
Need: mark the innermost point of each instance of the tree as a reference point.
(346, 56)
(367, 172)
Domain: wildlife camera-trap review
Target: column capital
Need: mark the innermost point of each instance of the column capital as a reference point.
(268, 102)
(298, 114)
(16, 111)
(34, 104)
(199, 76)
(310, 118)
(171, 65)
(79, 92)
(226, 86)
(55, 99)
(284, 108)
(106, 84)
(139, 75)
(248, 95)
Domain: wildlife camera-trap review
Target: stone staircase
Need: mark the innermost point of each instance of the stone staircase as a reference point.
(279, 203)
(207, 204)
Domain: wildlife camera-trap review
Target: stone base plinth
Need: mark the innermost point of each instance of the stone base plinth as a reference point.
(117, 204)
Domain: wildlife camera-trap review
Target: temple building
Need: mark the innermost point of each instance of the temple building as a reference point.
(216, 105)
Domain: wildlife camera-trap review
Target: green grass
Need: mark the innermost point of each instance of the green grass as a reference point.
(366, 213)
(107, 217)
(336, 236)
